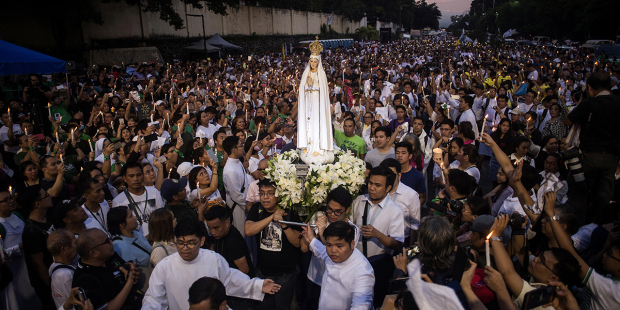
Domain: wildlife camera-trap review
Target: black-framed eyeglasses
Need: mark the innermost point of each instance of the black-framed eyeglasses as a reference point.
(107, 241)
(543, 260)
(334, 212)
(11, 197)
(189, 245)
(610, 254)
(45, 195)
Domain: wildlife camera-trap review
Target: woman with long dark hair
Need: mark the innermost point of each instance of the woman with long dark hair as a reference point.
(503, 136)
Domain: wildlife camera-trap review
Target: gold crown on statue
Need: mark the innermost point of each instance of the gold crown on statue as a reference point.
(316, 47)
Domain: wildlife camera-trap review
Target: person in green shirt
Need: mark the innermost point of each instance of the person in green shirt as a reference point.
(27, 151)
(72, 161)
(59, 108)
(348, 140)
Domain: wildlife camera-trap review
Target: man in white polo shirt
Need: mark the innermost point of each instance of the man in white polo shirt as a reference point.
(383, 227)
(348, 279)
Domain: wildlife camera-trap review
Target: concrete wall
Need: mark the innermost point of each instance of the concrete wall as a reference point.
(127, 22)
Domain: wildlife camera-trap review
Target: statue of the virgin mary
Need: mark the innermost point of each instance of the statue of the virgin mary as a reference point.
(314, 121)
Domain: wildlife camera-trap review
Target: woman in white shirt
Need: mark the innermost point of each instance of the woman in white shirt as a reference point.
(161, 228)
(200, 179)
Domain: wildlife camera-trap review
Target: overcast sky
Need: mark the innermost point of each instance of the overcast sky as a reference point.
(449, 8)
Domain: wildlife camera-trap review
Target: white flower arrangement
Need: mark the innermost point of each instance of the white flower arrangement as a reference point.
(282, 171)
(346, 171)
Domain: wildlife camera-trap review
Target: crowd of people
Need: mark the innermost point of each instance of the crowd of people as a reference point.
(490, 183)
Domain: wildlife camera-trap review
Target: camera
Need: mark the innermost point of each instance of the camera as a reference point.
(453, 213)
(572, 162)
(516, 220)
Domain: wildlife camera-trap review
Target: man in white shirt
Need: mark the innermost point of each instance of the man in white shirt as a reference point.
(467, 115)
(141, 200)
(339, 203)
(426, 142)
(95, 206)
(533, 74)
(61, 244)
(235, 181)
(413, 99)
(529, 102)
(348, 279)
(479, 102)
(407, 199)
(605, 290)
(383, 227)
(171, 279)
(7, 135)
(380, 218)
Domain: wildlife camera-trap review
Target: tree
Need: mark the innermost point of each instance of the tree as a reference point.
(168, 14)
(367, 33)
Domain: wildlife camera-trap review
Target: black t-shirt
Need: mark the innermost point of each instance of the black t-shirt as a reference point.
(276, 255)
(101, 284)
(233, 247)
(603, 127)
(34, 240)
(46, 184)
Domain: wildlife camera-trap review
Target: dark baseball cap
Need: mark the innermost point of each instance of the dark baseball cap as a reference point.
(482, 224)
(171, 187)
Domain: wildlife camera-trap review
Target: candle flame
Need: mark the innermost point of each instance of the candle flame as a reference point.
(489, 236)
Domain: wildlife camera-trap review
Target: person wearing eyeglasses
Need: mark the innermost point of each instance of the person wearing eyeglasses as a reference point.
(105, 277)
(172, 277)
(277, 244)
(555, 264)
(338, 206)
(36, 202)
(12, 227)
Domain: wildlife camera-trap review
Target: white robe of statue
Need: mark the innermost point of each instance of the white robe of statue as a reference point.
(314, 126)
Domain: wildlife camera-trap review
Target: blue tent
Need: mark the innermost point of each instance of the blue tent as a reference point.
(19, 60)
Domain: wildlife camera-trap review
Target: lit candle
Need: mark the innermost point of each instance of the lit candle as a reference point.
(57, 139)
(258, 131)
(198, 188)
(188, 108)
(49, 107)
(151, 117)
(484, 125)
(488, 254)
(169, 173)
(90, 143)
(72, 136)
(61, 158)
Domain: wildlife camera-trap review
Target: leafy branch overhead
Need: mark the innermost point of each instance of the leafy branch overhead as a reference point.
(167, 11)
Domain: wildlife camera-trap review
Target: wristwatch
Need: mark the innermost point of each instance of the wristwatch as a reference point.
(497, 238)
(554, 218)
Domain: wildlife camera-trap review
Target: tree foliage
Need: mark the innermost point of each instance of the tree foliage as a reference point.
(558, 19)
(167, 12)
(367, 33)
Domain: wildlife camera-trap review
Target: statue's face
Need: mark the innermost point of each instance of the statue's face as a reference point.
(314, 63)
